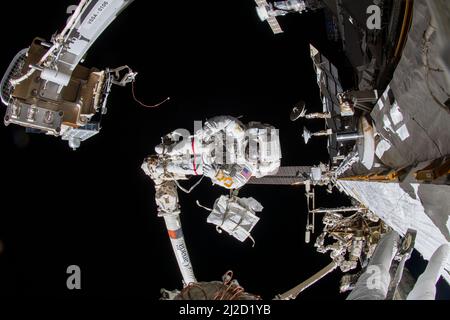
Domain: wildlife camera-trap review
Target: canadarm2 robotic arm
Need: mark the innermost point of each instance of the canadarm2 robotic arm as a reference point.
(166, 197)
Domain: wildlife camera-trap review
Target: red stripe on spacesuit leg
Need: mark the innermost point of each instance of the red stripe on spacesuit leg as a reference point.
(193, 151)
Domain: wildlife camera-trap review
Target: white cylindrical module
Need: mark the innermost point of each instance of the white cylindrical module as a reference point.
(175, 231)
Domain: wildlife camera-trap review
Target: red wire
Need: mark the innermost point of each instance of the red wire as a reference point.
(145, 105)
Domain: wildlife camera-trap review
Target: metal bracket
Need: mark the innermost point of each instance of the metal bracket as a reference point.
(122, 80)
(435, 170)
(404, 253)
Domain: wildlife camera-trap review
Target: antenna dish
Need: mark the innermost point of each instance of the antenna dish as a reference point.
(298, 111)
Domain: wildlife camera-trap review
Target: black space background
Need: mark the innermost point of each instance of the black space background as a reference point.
(95, 207)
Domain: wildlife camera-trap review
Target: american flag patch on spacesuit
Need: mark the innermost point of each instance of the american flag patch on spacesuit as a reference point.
(246, 173)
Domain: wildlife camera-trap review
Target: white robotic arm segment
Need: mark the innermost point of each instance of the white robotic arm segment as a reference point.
(87, 23)
(425, 287)
(90, 20)
(376, 283)
(166, 198)
(173, 224)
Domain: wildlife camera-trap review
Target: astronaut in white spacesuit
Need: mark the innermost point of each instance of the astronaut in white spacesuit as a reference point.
(230, 154)
(374, 283)
(224, 149)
